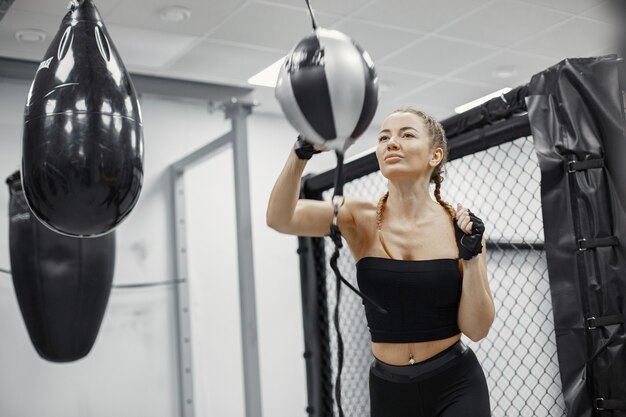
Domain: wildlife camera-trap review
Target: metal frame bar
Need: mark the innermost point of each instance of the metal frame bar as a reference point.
(237, 112)
(247, 298)
(314, 311)
(459, 146)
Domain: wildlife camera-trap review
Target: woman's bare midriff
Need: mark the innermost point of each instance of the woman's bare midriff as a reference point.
(398, 353)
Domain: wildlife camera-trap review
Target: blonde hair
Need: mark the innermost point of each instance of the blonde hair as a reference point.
(438, 140)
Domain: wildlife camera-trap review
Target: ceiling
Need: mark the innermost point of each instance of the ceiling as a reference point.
(431, 54)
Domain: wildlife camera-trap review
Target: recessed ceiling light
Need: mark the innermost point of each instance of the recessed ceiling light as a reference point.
(174, 14)
(481, 100)
(30, 35)
(504, 72)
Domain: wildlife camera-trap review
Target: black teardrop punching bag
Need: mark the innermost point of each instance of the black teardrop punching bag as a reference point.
(62, 283)
(82, 148)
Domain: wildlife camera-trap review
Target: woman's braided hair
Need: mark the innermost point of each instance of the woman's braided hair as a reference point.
(438, 140)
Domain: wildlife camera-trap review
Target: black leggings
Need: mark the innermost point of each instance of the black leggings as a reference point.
(450, 384)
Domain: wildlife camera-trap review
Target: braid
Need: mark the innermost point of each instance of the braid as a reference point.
(438, 180)
(379, 210)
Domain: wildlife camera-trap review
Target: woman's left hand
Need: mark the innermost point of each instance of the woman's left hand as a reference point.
(463, 219)
(469, 230)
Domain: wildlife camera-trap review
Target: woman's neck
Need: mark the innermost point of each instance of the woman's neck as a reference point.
(410, 202)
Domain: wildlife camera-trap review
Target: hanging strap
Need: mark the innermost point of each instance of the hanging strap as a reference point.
(335, 233)
(574, 165)
(595, 322)
(592, 322)
(335, 236)
(609, 404)
(588, 243)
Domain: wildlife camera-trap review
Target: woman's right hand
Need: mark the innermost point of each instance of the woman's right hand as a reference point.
(305, 150)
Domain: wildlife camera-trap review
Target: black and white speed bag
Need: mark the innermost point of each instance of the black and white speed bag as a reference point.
(328, 89)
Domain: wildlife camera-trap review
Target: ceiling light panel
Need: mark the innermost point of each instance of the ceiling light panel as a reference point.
(268, 76)
(217, 63)
(475, 103)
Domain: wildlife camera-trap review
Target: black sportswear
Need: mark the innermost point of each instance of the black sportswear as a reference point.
(449, 384)
(421, 296)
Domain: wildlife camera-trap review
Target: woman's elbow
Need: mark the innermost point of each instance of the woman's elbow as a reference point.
(475, 337)
(478, 334)
(269, 220)
(272, 221)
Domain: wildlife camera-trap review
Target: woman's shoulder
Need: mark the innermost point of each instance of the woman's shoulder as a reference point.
(360, 223)
(360, 206)
(362, 214)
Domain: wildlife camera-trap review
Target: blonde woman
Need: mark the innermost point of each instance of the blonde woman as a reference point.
(421, 259)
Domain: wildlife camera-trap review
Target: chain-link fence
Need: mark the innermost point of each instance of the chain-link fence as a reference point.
(501, 185)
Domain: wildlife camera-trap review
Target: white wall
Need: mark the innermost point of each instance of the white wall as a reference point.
(132, 369)
(212, 273)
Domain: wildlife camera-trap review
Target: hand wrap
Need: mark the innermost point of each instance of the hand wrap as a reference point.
(303, 149)
(470, 245)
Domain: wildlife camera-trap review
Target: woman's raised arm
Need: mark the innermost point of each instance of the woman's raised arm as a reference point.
(287, 213)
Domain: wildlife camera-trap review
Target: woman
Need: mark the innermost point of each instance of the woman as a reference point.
(408, 251)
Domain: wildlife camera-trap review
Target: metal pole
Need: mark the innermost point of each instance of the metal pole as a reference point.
(315, 317)
(237, 112)
(182, 293)
(183, 320)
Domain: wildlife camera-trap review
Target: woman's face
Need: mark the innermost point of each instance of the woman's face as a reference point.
(404, 147)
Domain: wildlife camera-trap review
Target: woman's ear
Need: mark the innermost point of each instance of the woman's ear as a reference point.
(437, 156)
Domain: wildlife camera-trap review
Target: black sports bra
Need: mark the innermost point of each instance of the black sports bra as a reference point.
(421, 296)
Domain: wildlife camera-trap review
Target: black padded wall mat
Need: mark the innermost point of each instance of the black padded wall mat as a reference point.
(577, 121)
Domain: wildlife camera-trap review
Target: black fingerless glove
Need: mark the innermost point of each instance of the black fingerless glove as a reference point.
(304, 149)
(470, 245)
